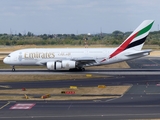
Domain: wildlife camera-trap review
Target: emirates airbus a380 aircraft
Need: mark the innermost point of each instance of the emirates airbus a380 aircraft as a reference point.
(78, 59)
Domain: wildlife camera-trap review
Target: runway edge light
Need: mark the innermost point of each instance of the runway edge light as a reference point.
(45, 96)
(23, 89)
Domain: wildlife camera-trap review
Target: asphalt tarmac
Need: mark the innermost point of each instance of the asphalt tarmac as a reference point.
(129, 106)
(108, 81)
(141, 101)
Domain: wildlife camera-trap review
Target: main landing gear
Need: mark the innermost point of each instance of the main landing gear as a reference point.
(82, 69)
(13, 69)
(78, 69)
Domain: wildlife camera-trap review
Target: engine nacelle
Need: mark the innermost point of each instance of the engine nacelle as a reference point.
(54, 65)
(66, 64)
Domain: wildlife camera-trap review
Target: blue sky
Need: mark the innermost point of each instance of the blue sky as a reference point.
(76, 16)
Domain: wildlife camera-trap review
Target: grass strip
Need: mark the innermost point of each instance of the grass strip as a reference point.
(43, 77)
(80, 91)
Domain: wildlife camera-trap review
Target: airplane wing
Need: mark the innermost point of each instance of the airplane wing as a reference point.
(80, 61)
(84, 61)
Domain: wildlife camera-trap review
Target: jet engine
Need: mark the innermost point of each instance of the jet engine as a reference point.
(57, 65)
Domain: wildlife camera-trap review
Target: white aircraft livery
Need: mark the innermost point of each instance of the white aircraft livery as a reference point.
(79, 58)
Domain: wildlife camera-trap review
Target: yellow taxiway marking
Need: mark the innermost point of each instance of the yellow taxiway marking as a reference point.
(4, 105)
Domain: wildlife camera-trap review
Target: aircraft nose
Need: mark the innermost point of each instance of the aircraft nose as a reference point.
(5, 60)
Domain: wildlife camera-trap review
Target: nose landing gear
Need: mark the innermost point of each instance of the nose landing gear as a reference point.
(13, 69)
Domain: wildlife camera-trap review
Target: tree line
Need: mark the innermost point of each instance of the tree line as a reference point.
(114, 38)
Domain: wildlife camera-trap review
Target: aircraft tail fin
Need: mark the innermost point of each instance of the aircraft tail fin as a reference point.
(136, 40)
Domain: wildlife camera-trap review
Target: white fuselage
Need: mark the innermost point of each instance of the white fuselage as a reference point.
(38, 56)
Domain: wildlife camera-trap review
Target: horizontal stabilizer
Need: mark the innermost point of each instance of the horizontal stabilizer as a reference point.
(139, 53)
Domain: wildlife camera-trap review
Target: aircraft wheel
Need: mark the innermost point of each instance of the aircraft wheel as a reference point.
(83, 69)
(77, 69)
(13, 69)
